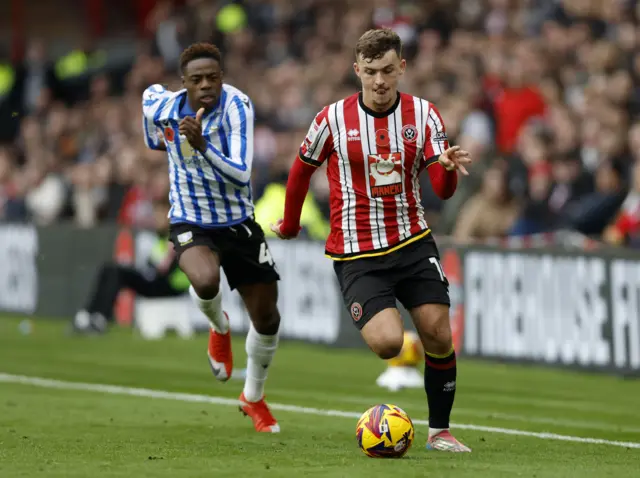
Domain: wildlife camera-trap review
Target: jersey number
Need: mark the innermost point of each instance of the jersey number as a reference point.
(265, 255)
(436, 263)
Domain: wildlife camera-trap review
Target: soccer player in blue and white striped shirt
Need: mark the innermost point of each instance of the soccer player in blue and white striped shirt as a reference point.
(207, 131)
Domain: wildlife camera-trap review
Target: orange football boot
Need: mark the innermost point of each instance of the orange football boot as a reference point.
(259, 412)
(220, 354)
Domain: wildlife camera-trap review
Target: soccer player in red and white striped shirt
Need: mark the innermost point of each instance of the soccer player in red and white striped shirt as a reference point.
(375, 145)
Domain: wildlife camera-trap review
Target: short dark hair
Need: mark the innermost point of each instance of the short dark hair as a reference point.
(199, 50)
(373, 44)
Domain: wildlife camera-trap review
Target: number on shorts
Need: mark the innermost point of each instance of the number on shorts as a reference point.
(265, 255)
(436, 263)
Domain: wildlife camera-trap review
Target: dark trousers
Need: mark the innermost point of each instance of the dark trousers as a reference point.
(115, 277)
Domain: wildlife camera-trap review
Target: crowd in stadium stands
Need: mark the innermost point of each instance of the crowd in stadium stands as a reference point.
(545, 95)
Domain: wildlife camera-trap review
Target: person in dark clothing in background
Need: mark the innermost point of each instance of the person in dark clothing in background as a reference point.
(555, 190)
(162, 278)
(594, 211)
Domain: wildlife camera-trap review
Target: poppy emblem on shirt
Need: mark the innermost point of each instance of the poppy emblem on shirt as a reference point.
(169, 134)
(409, 133)
(382, 138)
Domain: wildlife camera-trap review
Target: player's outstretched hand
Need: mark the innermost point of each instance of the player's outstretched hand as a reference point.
(276, 228)
(455, 158)
(192, 129)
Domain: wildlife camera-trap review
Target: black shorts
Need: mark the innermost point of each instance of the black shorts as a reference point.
(412, 275)
(243, 251)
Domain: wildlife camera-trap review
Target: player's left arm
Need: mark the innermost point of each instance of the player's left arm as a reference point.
(153, 99)
(238, 127)
(442, 161)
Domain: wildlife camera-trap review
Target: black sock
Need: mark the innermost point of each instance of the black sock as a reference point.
(440, 385)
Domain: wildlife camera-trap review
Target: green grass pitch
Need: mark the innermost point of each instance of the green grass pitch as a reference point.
(184, 424)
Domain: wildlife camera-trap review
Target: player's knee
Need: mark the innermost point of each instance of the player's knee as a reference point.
(439, 333)
(264, 314)
(261, 301)
(442, 335)
(387, 344)
(387, 349)
(206, 283)
(267, 321)
(434, 327)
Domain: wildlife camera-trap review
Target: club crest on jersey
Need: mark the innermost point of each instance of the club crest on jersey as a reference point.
(409, 133)
(169, 134)
(356, 311)
(385, 174)
(382, 138)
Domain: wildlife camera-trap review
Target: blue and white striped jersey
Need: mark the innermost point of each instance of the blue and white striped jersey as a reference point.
(210, 190)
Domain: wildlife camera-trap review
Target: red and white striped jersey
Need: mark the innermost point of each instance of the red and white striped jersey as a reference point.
(373, 163)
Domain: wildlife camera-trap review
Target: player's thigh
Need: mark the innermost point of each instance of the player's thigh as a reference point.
(423, 290)
(419, 277)
(247, 260)
(198, 258)
(368, 296)
(384, 333)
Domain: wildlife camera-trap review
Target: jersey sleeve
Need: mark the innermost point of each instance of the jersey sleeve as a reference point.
(436, 141)
(153, 99)
(237, 134)
(318, 144)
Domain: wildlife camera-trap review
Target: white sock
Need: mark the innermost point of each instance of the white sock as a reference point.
(213, 310)
(260, 350)
(434, 431)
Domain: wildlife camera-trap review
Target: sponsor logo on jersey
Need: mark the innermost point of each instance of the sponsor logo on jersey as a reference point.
(385, 174)
(440, 136)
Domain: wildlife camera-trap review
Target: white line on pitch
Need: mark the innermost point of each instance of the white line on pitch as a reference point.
(194, 398)
(480, 412)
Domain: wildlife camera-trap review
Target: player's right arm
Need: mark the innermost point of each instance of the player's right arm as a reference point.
(314, 151)
(153, 98)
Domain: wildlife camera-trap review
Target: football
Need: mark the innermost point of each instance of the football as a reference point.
(384, 431)
(411, 353)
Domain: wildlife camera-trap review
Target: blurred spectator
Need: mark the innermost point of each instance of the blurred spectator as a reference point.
(491, 212)
(516, 100)
(12, 206)
(161, 277)
(269, 207)
(625, 229)
(35, 79)
(44, 192)
(592, 213)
